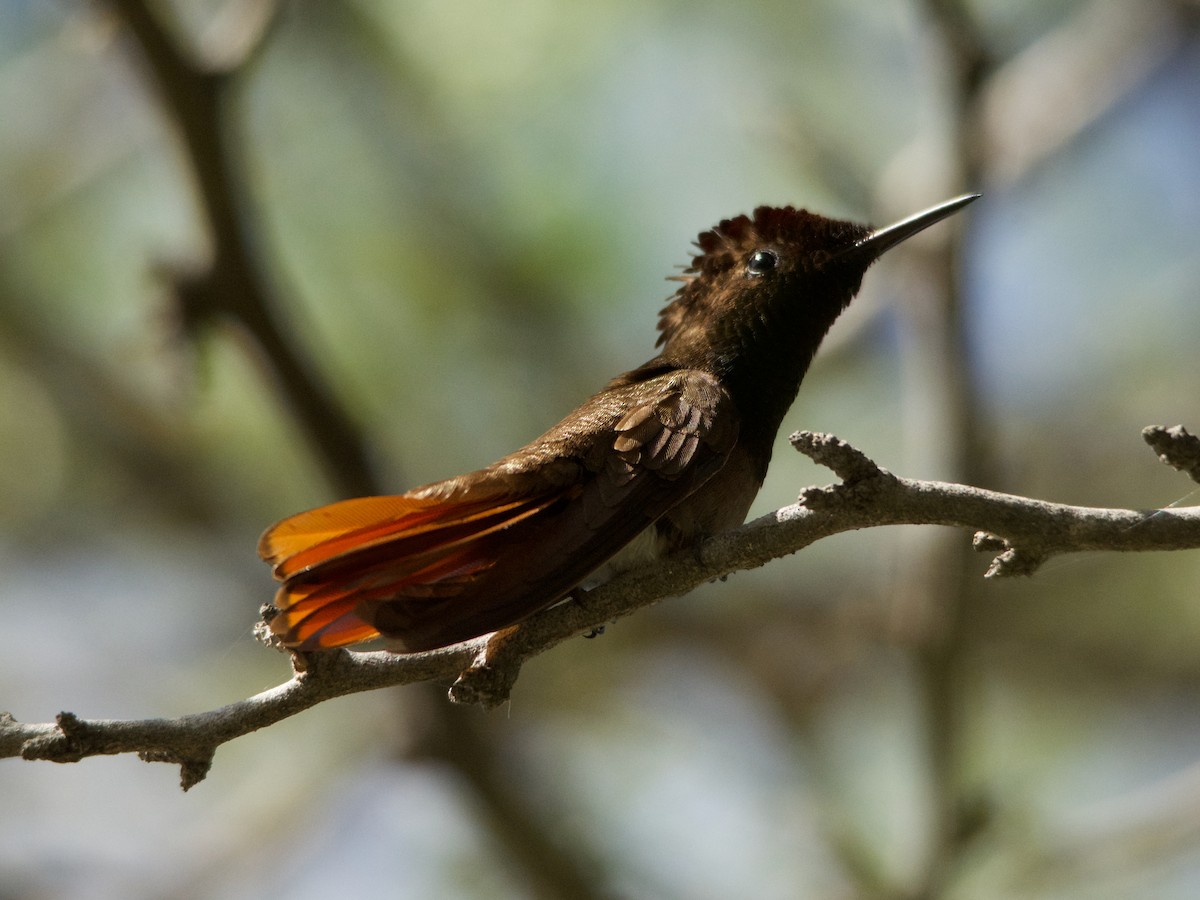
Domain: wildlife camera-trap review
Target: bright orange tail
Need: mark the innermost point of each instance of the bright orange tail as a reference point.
(339, 562)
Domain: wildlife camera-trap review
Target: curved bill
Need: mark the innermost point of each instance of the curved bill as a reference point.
(881, 240)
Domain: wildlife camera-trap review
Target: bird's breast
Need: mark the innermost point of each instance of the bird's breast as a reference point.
(721, 503)
(648, 546)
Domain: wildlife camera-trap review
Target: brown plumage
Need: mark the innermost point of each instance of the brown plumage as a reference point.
(675, 449)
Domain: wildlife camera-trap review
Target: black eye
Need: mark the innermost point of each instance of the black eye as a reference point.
(761, 262)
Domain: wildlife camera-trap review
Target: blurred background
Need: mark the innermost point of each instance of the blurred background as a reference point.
(255, 256)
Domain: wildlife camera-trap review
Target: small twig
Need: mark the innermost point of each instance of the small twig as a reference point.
(1026, 531)
(1175, 447)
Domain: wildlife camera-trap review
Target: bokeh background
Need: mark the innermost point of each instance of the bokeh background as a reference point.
(457, 217)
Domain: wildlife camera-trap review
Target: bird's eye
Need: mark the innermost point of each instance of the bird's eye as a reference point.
(761, 262)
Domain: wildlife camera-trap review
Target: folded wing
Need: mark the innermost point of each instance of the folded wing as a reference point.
(467, 556)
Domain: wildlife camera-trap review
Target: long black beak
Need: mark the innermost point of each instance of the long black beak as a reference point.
(878, 242)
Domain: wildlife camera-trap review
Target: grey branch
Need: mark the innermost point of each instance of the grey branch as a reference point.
(1020, 532)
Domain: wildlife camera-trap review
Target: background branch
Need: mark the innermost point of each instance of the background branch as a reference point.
(200, 101)
(201, 98)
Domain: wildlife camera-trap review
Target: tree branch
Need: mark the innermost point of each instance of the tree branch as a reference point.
(1023, 532)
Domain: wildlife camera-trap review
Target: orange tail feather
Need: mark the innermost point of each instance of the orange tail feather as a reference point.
(337, 561)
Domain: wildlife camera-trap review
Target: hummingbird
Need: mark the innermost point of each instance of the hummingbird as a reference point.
(662, 456)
